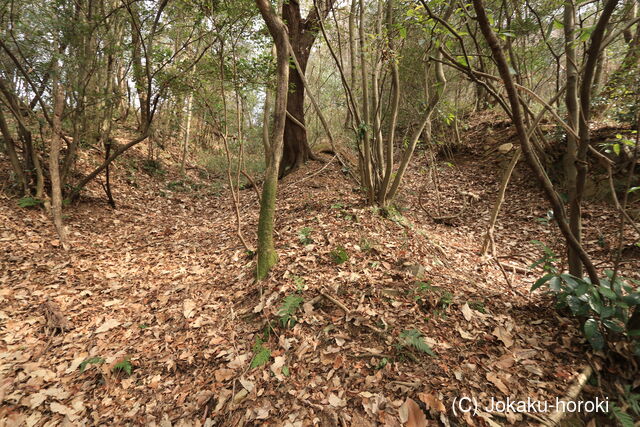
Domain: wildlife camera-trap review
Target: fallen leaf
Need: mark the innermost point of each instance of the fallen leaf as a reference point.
(335, 401)
(432, 402)
(188, 308)
(411, 414)
(503, 335)
(498, 382)
(467, 312)
(223, 374)
(61, 409)
(107, 325)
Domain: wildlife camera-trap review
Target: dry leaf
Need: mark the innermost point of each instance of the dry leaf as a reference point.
(188, 308)
(432, 402)
(335, 401)
(498, 382)
(61, 409)
(223, 374)
(503, 335)
(412, 415)
(467, 312)
(107, 325)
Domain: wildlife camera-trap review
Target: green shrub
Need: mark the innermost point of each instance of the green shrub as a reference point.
(605, 311)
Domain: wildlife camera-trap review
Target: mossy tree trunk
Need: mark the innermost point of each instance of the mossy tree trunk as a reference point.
(267, 256)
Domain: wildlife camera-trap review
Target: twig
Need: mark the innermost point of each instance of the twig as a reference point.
(336, 302)
(572, 393)
(317, 172)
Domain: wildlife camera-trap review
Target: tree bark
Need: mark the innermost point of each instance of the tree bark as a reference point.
(10, 148)
(573, 111)
(267, 256)
(302, 35)
(54, 160)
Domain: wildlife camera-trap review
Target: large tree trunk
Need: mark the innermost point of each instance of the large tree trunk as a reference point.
(302, 34)
(296, 150)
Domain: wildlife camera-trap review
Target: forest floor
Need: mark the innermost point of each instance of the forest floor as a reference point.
(162, 286)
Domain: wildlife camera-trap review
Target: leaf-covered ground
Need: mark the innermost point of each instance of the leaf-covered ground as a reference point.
(162, 285)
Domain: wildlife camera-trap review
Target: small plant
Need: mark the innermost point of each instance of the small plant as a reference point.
(91, 361)
(412, 338)
(446, 299)
(478, 306)
(153, 167)
(30, 202)
(421, 289)
(123, 367)
(287, 310)
(299, 281)
(617, 413)
(261, 354)
(548, 260)
(339, 255)
(303, 236)
(180, 186)
(366, 245)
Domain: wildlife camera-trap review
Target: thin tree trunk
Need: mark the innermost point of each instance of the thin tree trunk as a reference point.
(267, 256)
(10, 148)
(187, 133)
(573, 111)
(54, 158)
(489, 241)
(525, 143)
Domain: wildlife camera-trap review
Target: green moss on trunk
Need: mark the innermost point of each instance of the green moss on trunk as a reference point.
(267, 256)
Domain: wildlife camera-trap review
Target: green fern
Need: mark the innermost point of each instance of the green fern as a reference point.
(289, 307)
(123, 366)
(261, 354)
(413, 338)
(623, 418)
(91, 361)
(29, 202)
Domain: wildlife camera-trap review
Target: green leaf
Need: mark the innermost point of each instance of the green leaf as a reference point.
(606, 312)
(541, 281)
(555, 284)
(30, 202)
(91, 361)
(607, 293)
(578, 308)
(623, 418)
(634, 333)
(632, 299)
(616, 149)
(592, 332)
(615, 326)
